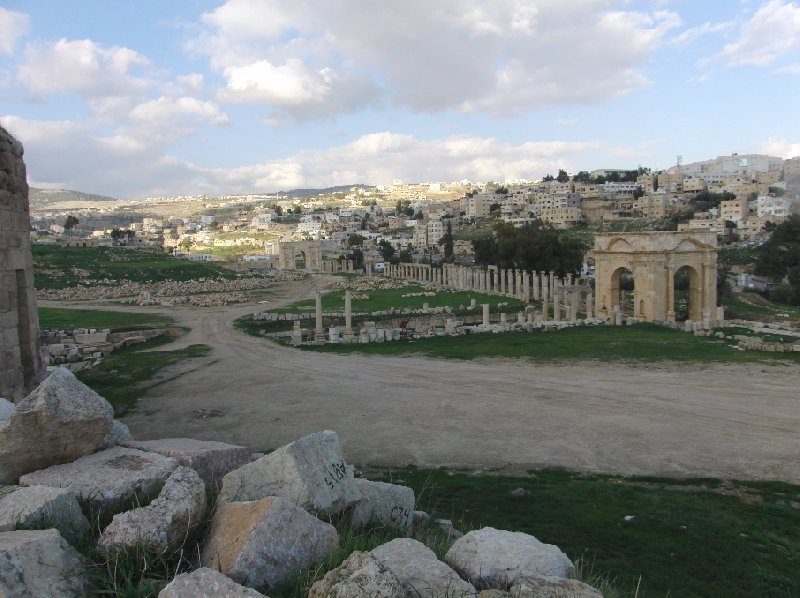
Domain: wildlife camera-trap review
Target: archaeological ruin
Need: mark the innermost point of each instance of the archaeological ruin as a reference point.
(20, 363)
(300, 255)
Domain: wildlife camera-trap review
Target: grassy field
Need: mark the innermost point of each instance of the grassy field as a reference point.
(126, 375)
(688, 538)
(752, 306)
(57, 267)
(56, 318)
(641, 342)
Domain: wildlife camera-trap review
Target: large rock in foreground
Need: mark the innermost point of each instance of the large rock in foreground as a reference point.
(210, 459)
(40, 564)
(361, 575)
(542, 586)
(206, 583)
(262, 543)
(108, 478)
(60, 421)
(420, 573)
(310, 471)
(165, 522)
(491, 558)
(43, 507)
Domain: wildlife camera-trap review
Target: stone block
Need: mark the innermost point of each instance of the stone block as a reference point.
(491, 558)
(43, 507)
(108, 478)
(310, 471)
(210, 459)
(60, 421)
(382, 504)
(165, 522)
(117, 435)
(361, 575)
(206, 583)
(541, 586)
(40, 563)
(420, 573)
(262, 543)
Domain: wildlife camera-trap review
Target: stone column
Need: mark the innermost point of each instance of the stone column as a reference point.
(671, 295)
(485, 314)
(589, 305)
(556, 307)
(348, 315)
(319, 331)
(526, 287)
(494, 280)
(545, 309)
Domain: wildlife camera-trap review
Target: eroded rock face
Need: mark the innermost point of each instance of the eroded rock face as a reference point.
(542, 586)
(261, 543)
(165, 522)
(40, 563)
(43, 507)
(310, 471)
(60, 421)
(206, 583)
(491, 558)
(361, 575)
(107, 478)
(210, 459)
(419, 571)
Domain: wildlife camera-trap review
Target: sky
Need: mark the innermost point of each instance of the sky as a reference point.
(151, 98)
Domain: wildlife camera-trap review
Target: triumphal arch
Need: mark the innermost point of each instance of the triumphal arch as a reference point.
(652, 260)
(300, 255)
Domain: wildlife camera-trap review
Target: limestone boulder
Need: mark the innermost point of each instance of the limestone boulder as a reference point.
(210, 459)
(60, 421)
(491, 558)
(43, 507)
(382, 504)
(117, 435)
(310, 471)
(109, 478)
(206, 583)
(361, 575)
(543, 586)
(6, 409)
(262, 543)
(39, 563)
(165, 522)
(420, 573)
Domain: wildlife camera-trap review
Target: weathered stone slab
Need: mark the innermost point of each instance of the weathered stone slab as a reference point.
(419, 571)
(117, 435)
(491, 558)
(310, 471)
(60, 421)
(40, 563)
(210, 459)
(206, 583)
(6, 409)
(361, 575)
(384, 504)
(107, 478)
(43, 507)
(165, 522)
(261, 543)
(542, 586)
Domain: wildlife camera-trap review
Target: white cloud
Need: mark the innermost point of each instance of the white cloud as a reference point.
(772, 32)
(693, 34)
(13, 27)
(70, 155)
(566, 122)
(783, 148)
(501, 56)
(166, 109)
(83, 67)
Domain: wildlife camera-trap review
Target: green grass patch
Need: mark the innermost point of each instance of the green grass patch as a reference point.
(688, 538)
(56, 318)
(738, 255)
(57, 267)
(127, 374)
(640, 342)
(752, 306)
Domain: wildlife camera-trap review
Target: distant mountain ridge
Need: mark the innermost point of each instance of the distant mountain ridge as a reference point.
(44, 197)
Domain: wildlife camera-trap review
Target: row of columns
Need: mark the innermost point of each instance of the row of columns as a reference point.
(334, 266)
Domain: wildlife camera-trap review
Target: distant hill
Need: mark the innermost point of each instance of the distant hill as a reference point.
(40, 198)
(326, 190)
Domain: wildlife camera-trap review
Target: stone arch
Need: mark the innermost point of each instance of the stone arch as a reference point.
(694, 293)
(654, 258)
(309, 251)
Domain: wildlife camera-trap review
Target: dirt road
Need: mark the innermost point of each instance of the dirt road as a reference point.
(731, 421)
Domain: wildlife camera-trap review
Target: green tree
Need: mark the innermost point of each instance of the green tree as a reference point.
(387, 250)
(355, 240)
(548, 177)
(278, 210)
(447, 243)
(405, 257)
(71, 222)
(562, 177)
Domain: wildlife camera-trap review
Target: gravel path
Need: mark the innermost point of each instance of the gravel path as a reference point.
(730, 421)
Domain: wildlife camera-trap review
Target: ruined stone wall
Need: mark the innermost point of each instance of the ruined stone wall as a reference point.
(20, 362)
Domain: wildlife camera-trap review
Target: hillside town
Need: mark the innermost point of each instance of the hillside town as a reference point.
(743, 195)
